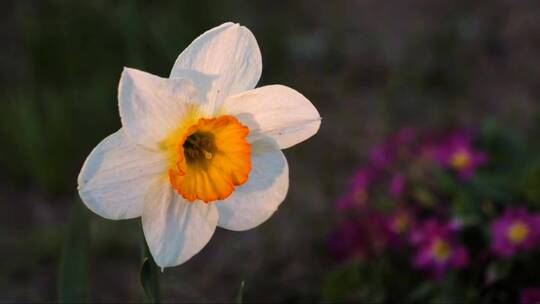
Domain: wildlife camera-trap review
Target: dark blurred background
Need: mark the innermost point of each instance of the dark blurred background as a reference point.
(370, 67)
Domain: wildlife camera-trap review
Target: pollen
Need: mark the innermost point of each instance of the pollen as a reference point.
(441, 250)
(360, 196)
(461, 159)
(212, 158)
(199, 147)
(517, 232)
(401, 223)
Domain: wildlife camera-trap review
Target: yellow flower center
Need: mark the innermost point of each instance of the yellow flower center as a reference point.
(461, 159)
(441, 250)
(212, 157)
(360, 196)
(401, 223)
(517, 232)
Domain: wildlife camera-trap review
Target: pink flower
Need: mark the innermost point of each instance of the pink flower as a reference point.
(358, 193)
(456, 152)
(384, 155)
(347, 241)
(397, 184)
(439, 254)
(399, 224)
(431, 227)
(530, 295)
(437, 249)
(361, 237)
(516, 229)
(381, 156)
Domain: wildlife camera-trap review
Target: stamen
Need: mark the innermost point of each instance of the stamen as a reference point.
(192, 141)
(214, 158)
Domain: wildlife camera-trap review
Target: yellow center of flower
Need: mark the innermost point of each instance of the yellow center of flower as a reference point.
(517, 232)
(441, 250)
(360, 196)
(212, 157)
(401, 223)
(461, 159)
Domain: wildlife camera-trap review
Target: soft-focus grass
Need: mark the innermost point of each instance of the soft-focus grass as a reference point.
(72, 55)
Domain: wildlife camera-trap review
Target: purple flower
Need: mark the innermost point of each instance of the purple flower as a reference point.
(399, 224)
(384, 155)
(456, 152)
(530, 295)
(397, 184)
(514, 230)
(381, 156)
(361, 237)
(439, 254)
(437, 249)
(346, 241)
(358, 193)
(431, 227)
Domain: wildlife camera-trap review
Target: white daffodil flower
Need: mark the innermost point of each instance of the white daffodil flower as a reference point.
(199, 149)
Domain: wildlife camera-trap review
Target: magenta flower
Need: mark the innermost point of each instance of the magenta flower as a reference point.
(397, 184)
(530, 295)
(384, 155)
(347, 241)
(431, 227)
(516, 229)
(358, 193)
(439, 254)
(399, 224)
(359, 238)
(381, 156)
(437, 249)
(456, 152)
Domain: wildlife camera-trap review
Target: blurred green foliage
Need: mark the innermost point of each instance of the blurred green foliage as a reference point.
(74, 280)
(64, 101)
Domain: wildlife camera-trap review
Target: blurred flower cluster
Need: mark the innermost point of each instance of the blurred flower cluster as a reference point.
(426, 210)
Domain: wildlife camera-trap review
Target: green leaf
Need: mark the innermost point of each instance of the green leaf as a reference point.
(342, 281)
(149, 276)
(357, 281)
(498, 270)
(74, 278)
(420, 293)
(424, 196)
(240, 294)
(532, 184)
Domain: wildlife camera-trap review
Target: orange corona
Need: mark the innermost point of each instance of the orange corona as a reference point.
(212, 158)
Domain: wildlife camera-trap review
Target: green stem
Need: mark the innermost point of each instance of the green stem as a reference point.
(149, 274)
(240, 294)
(74, 267)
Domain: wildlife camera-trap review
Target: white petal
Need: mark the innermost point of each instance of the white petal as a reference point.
(228, 55)
(116, 175)
(151, 107)
(276, 111)
(254, 202)
(174, 228)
